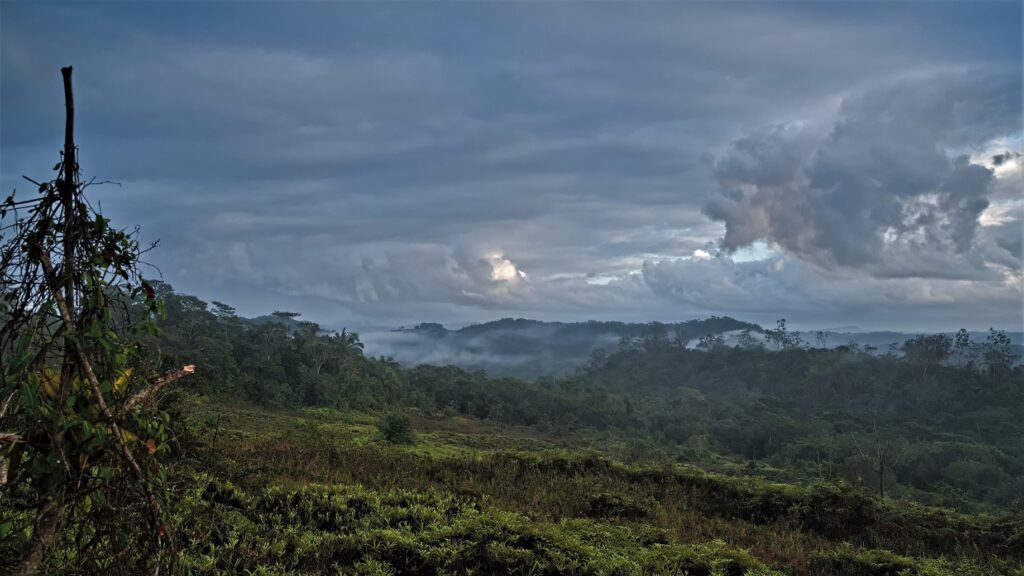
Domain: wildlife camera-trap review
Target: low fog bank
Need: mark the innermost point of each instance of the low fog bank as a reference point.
(527, 348)
(532, 349)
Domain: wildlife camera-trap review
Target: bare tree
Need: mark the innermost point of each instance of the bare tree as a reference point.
(882, 456)
(72, 376)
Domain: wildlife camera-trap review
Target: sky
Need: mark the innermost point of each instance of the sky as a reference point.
(384, 164)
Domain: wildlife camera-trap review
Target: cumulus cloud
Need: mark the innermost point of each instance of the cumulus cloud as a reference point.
(885, 185)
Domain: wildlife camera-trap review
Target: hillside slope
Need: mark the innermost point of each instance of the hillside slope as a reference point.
(319, 491)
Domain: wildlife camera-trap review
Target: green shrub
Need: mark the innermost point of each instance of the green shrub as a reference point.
(607, 505)
(847, 561)
(396, 429)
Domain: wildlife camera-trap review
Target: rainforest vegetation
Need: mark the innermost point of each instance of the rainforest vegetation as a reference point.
(291, 451)
(936, 421)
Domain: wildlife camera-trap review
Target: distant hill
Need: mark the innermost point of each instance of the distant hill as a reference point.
(528, 348)
(880, 342)
(532, 348)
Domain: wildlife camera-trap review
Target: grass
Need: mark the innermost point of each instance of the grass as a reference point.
(348, 529)
(316, 491)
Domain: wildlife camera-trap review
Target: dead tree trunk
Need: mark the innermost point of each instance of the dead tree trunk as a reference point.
(48, 514)
(68, 187)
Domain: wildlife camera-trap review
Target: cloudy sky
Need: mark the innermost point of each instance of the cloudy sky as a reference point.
(389, 163)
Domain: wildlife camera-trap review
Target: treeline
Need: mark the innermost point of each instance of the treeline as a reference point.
(276, 362)
(926, 421)
(921, 421)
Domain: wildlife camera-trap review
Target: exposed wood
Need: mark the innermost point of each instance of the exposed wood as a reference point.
(9, 437)
(49, 512)
(71, 166)
(154, 387)
(68, 186)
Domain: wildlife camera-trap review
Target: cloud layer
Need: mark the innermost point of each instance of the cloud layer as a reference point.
(390, 164)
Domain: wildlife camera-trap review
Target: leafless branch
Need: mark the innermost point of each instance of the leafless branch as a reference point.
(9, 438)
(154, 387)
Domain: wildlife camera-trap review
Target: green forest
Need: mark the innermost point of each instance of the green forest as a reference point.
(291, 451)
(928, 423)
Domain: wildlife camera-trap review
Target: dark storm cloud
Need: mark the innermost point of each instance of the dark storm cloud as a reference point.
(398, 163)
(880, 186)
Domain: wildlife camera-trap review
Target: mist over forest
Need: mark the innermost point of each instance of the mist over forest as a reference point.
(531, 348)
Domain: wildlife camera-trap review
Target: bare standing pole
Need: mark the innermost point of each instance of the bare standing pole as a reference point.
(70, 166)
(69, 185)
(44, 260)
(68, 189)
(48, 515)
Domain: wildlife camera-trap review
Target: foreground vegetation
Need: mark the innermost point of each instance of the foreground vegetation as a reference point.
(293, 452)
(317, 490)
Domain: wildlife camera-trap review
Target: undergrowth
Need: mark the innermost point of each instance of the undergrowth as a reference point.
(320, 491)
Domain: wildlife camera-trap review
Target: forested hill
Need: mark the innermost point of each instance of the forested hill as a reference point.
(531, 348)
(292, 451)
(928, 423)
(940, 417)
